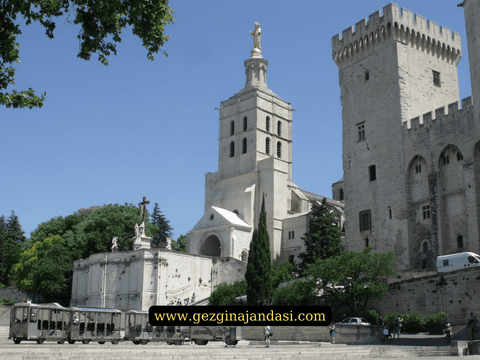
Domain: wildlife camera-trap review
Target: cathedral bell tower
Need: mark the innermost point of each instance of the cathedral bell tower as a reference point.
(254, 159)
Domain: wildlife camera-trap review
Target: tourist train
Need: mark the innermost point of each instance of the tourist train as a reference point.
(53, 322)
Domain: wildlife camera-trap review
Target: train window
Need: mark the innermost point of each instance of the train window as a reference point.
(21, 314)
(33, 315)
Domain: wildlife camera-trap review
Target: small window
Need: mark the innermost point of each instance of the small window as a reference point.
(279, 128)
(445, 262)
(459, 156)
(425, 247)
(365, 220)
(424, 264)
(245, 123)
(366, 242)
(235, 212)
(367, 75)
(418, 168)
(472, 260)
(445, 160)
(340, 194)
(211, 217)
(279, 150)
(232, 149)
(361, 132)
(436, 78)
(232, 128)
(426, 211)
(372, 171)
(293, 234)
(460, 241)
(267, 126)
(267, 146)
(291, 259)
(390, 213)
(244, 145)
(289, 235)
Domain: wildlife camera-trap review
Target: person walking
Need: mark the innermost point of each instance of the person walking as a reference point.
(398, 326)
(332, 332)
(473, 324)
(267, 331)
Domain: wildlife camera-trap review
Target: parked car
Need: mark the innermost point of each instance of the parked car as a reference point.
(354, 321)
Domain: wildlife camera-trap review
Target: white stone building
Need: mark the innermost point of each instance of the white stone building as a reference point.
(255, 160)
(411, 149)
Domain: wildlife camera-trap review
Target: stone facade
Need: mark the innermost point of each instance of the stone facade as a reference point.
(455, 293)
(410, 148)
(143, 278)
(255, 162)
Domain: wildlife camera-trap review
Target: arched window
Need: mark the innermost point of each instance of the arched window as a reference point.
(245, 123)
(340, 194)
(244, 256)
(232, 149)
(279, 128)
(244, 145)
(268, 123)
(425, 247)
(279, 149)
(267, 146)
(232, 128)
(460, 241)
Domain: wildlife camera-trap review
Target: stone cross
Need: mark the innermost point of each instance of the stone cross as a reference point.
(142, 207)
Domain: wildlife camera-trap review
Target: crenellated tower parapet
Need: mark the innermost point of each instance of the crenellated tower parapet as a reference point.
(440, 117)
(396, 24)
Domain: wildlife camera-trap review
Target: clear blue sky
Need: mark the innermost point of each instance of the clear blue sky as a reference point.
(141, 128)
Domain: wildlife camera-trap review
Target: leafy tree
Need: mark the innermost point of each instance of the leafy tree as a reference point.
(101, 21)
(46, 270)
(259, 266)
(363, 276)
(11, 242)
(323, 239)
(282, 271)
(94, 234)
(225, 294)
(163, 228)
(300, 292)
(180, 244)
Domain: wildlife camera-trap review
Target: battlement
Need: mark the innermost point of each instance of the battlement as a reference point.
(396, 24)
(440, 116)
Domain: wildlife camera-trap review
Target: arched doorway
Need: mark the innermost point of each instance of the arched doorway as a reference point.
(211, 246)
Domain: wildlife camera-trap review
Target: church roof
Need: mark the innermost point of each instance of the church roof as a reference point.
(217, 217)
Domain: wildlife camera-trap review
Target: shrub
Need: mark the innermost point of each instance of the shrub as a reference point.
(372, 317)
(412, 323)
(6, 301)
(434, 323)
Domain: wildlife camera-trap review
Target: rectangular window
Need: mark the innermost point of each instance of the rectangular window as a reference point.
(426, 211)
(390, 213)
(418, 168)
(436, 78)
(365, 220)
(361, 132)
(372, 171)
(291, 258)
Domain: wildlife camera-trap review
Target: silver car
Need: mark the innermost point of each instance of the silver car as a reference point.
(354, 321)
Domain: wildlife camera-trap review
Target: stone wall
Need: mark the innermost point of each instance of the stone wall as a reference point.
(456, 293)
(143, 278)
(347, 334)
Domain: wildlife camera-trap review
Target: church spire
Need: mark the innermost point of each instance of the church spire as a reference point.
(256, 66)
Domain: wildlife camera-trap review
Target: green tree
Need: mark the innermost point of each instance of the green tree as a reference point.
(259, 266)
(363, 276)
(46, 270)
(323, 239)
(300, 292)
(163, 228)
(12, 239)
(101, 22)
(180, 244)
(94, 234)
(282, 271)
(225, 294)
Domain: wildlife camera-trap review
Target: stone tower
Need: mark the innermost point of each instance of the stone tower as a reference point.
(392, 68)
(254, 160)
(472, 24)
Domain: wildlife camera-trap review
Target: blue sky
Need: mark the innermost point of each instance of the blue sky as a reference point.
(141, 128)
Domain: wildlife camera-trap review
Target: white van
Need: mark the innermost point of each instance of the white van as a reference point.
(457, 261)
